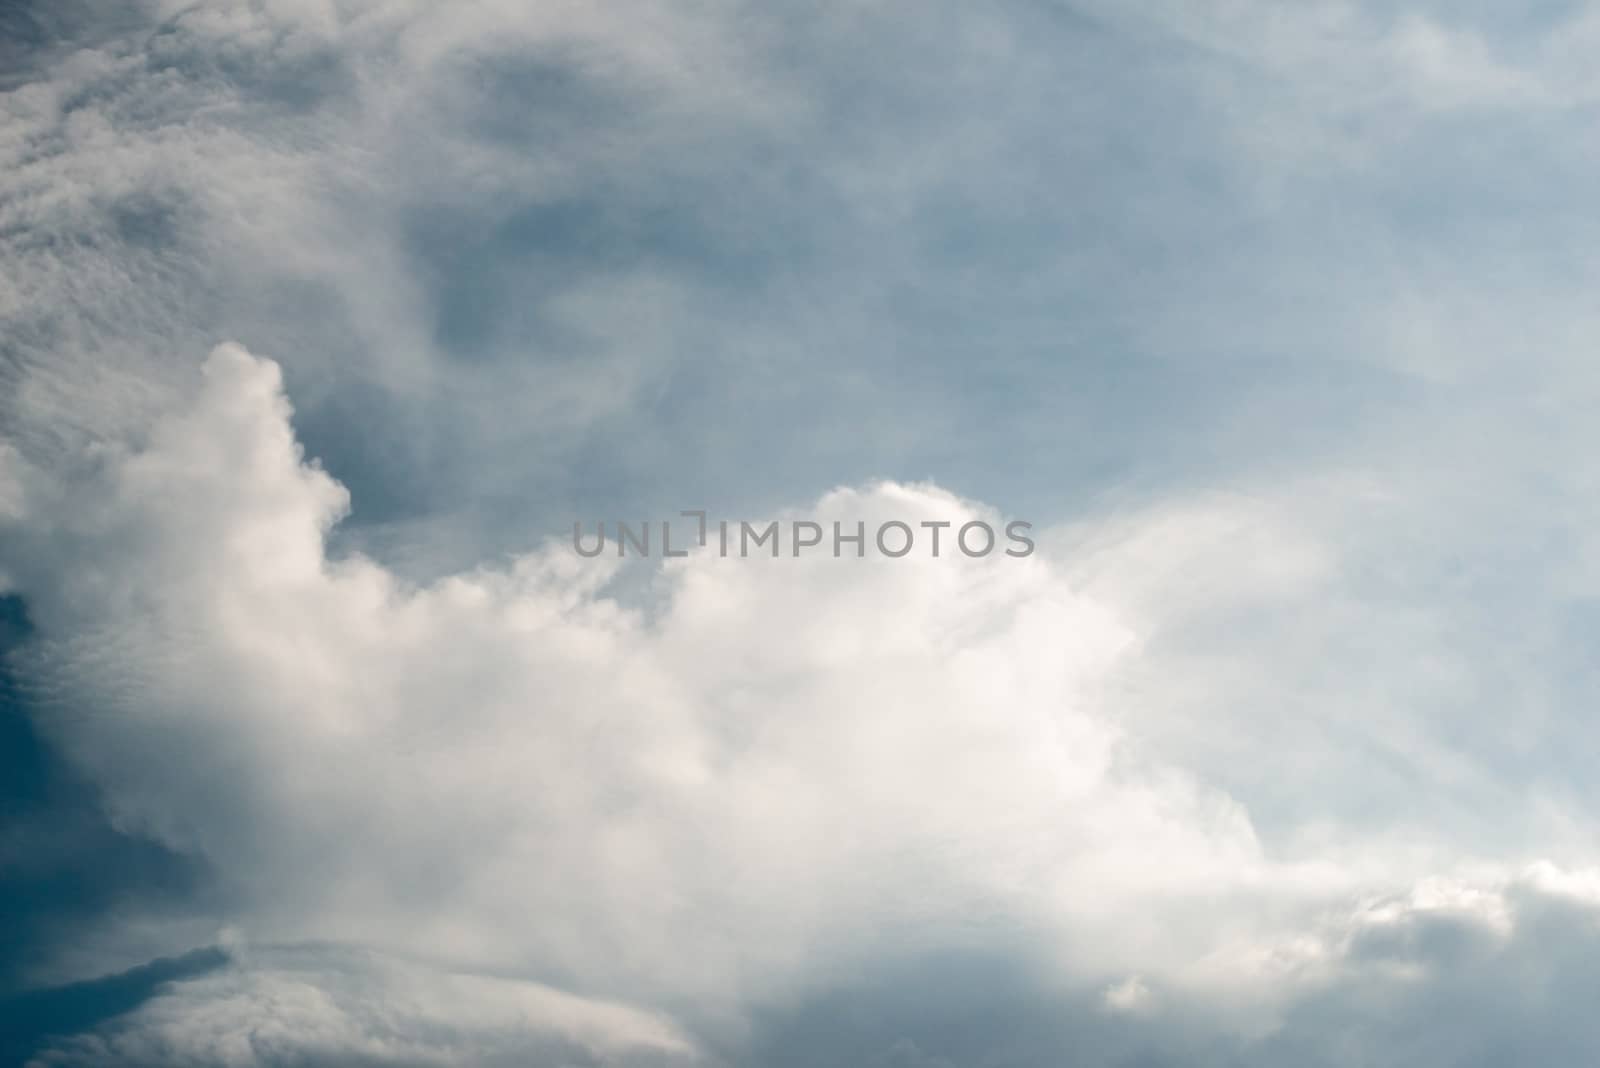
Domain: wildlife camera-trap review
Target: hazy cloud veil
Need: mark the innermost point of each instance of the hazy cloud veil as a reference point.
(322, 322)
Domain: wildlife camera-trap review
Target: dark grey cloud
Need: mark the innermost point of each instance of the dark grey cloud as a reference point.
(67, 869)
(29, 1021)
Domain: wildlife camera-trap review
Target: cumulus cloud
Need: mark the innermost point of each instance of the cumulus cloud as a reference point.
(778, 757)
(705, 800)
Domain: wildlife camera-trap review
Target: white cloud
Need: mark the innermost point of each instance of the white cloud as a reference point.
(707, 801)
(781, 757)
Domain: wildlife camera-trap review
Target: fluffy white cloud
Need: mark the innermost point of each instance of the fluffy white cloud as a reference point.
(705, 799)
(771, 759)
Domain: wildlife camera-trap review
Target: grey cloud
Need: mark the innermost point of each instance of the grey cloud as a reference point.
(35, 1018)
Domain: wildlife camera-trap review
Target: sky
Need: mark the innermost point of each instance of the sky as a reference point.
(322, 322)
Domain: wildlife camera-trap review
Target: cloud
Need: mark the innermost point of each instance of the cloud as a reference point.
(1272, 727)
(316, 1005)
(28, 1019)
(707, 800)
(492, 246)
(1130, 995)
(775, 757)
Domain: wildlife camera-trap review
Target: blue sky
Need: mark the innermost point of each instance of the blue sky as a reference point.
(322, 321)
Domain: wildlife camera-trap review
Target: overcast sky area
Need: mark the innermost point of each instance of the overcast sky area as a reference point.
(322, 322)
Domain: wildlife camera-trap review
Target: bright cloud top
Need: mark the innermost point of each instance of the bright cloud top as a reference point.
(774, 757)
